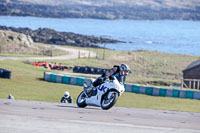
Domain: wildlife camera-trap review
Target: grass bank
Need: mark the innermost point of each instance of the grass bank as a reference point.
(20, 55)
(148, 67)
(27, 84)
(41, 50)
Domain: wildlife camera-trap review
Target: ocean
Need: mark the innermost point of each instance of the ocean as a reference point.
(169, 36)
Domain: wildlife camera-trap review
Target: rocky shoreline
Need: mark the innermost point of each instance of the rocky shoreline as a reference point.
(50, 36)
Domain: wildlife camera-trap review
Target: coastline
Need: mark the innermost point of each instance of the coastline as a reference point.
(50, 36)
(165, 36)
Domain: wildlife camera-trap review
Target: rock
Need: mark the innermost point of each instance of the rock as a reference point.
(50, 36)
(25, 40)
(11, 38)
(12, 42)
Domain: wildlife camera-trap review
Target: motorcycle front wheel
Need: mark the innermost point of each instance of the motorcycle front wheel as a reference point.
(109, 100)
(81, 100)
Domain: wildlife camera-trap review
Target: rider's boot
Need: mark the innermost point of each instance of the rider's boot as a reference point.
(90, 91)
(94, 91)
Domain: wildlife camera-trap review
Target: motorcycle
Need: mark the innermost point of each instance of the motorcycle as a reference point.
(104, 95)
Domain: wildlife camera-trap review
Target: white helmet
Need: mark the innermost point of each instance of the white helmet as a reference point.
(125, 69)
(66, 94)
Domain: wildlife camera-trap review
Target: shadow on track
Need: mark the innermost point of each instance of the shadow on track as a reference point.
(68, 106)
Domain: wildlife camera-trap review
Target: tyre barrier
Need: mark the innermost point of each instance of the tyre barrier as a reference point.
(67, 79)
(88, 70)
(162, 92)
(133, 88)
(4, 73)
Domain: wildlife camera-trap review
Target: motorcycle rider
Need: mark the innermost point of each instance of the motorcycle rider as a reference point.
(120, 72)
(66, 98)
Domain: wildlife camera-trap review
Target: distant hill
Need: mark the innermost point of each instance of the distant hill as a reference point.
(104, 9)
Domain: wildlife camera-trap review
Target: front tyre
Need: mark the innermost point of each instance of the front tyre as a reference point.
(81, 100)
(109, 100)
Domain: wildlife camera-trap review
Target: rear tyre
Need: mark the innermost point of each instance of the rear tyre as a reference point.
(81, 100)
(109, 100)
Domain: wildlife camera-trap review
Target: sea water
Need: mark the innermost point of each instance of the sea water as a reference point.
(170, 36)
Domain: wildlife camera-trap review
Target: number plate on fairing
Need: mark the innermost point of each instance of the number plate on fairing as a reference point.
(102, 88)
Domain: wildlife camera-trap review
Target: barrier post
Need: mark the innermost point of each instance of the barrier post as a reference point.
(136, 88)
(149, 90)
(66, 79)
(190, 94)
(80, 81)
(53, 77)
(175, 93)
(162, 92)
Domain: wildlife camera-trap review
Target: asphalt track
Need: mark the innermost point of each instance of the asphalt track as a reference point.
(18, 116)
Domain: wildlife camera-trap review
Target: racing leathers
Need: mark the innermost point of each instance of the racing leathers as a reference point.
(110, 74)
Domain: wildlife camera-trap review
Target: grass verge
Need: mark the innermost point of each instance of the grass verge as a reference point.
(148, 67)
(27, 84)
(20, 55)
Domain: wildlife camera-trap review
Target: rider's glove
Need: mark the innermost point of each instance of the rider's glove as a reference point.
(111, 78)
(101, 79)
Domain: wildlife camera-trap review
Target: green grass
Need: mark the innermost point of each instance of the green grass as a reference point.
(59, 52)
(162, 103)
(40, 50)
(148, 67)
(27, 84)
(20, 55)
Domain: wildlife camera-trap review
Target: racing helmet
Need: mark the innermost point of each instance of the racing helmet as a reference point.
(66, 94)
(125, 69)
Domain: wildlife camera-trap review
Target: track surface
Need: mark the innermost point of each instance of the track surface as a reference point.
(18, 116)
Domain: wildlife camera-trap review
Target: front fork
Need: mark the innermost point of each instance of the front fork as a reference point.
(85, 89)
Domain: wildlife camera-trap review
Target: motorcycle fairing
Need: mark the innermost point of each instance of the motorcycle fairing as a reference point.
(102, 89)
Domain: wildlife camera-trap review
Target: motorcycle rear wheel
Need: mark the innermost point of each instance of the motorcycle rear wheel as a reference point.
(81, 100)
(109, 100)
